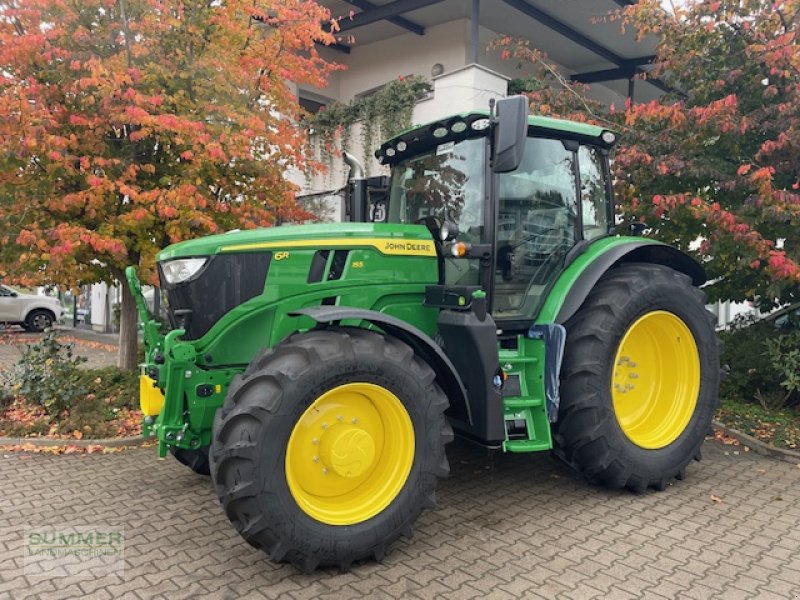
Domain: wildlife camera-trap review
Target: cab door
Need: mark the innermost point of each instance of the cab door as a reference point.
(560, 195)
(537, 219)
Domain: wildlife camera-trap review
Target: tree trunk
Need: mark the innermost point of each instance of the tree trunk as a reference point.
(128, 330)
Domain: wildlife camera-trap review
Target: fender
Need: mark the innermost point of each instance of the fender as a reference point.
(582, 275)
(57, 311)
(422, 344)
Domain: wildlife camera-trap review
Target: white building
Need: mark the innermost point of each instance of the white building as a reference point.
(447, 42)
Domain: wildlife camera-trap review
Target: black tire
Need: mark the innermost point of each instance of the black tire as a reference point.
(252, 429)
(196, 460)
(588, 435)
(38, 320)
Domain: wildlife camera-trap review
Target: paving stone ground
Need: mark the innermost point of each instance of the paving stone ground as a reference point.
(506, 527)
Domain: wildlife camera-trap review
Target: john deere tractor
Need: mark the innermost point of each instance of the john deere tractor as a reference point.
(317, 372)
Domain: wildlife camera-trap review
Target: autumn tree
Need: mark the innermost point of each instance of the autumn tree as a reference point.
(719, 164)
(713, 168)
(126, 125)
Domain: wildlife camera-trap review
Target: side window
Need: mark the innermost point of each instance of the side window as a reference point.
(594, 193)
(4, 291)
(446, 183)
(536, 226)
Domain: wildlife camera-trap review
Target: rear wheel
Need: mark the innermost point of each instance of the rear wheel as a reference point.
(328, 447)
(639, 380)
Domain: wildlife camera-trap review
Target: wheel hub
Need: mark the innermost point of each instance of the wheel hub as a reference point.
(350, 453)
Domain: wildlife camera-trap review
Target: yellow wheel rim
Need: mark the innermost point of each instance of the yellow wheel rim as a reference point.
(350, 454)
(656, 380)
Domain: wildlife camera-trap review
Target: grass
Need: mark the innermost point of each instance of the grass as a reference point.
(781, 428)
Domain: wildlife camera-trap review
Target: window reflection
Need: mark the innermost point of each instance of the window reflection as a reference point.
(445, 183)
(594, 193)
(537, 208)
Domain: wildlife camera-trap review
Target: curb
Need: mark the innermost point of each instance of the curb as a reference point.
(759, 447)
(54, 443)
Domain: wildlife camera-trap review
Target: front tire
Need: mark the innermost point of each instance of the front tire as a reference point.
(38, 320)
(640, 379)
(196, 460)
(328, 447)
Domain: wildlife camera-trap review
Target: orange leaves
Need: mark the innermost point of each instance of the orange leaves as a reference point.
(78, 120)
(129, 140)
(215, 152)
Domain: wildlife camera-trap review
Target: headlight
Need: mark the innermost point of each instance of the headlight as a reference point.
(176, 271)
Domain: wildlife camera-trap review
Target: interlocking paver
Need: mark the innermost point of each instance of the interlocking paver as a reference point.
(506, 527)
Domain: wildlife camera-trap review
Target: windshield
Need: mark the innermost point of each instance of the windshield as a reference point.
(445, 183)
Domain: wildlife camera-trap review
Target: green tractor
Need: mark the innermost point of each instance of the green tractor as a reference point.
(317, 372)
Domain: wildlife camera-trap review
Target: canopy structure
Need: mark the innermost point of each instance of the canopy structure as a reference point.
(583, 36)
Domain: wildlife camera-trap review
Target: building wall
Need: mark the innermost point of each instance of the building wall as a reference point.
(459, 89)
(372, 65)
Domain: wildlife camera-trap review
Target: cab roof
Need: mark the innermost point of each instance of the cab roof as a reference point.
(420, 137)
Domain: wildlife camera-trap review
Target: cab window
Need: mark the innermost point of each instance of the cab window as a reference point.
(536, 226)
(594, 192)
(446, 183)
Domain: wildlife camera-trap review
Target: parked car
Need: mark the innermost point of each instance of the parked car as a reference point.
(33, 313)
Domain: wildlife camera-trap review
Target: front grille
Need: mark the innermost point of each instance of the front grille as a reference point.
(224, 282)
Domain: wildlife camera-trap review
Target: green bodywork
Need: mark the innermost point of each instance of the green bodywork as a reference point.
(393, 284)
(387, 270)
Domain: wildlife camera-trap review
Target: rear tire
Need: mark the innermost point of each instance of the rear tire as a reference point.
(269, 408)
(594, 432)
(196, 460)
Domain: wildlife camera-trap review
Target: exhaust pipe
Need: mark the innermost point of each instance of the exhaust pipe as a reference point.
(356, 168)
(356, 189)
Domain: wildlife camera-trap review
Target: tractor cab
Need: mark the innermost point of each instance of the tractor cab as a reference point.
(508, 227)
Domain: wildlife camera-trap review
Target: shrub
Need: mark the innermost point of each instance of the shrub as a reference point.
(763, 362)
(48, 375)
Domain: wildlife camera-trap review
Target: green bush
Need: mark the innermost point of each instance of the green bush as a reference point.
(763, 363)
(48, 374)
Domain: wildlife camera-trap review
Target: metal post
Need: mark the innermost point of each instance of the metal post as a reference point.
(631, 83)
(475, 28)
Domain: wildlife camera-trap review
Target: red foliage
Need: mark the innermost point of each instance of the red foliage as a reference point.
(126, 126)
(712, 169)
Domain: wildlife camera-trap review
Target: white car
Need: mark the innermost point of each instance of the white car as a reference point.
(34, 313)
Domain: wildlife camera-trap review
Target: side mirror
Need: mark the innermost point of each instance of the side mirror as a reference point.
(510, 133)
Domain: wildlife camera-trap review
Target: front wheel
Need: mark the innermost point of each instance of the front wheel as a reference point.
(328, 447)
(39, 320)
(640, 379)
(196, 460)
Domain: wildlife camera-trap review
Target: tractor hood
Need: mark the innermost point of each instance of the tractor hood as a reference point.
(389, 239)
